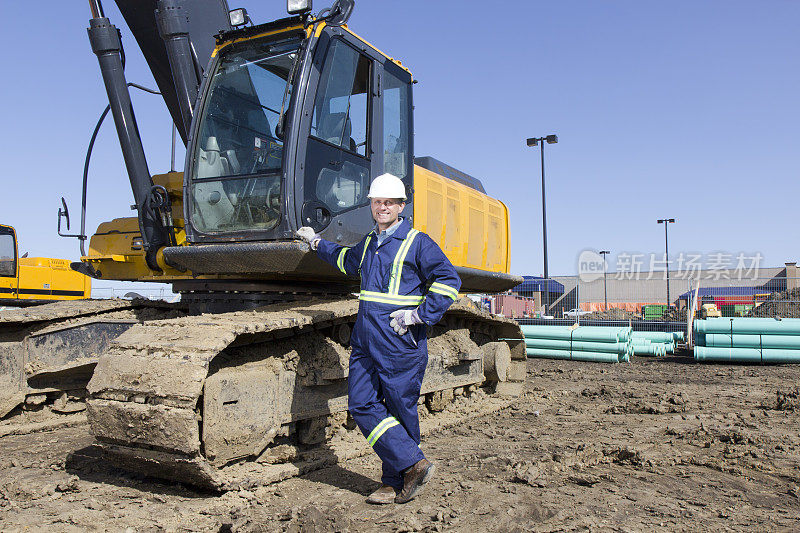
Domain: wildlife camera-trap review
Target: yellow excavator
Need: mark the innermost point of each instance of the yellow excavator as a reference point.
(285, 125)
(26, 281)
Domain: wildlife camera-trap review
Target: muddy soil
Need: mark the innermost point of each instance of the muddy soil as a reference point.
(655, 445)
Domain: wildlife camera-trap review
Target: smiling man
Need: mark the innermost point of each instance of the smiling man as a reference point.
(407, 284)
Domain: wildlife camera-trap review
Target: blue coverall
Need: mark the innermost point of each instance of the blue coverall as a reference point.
(408, 270)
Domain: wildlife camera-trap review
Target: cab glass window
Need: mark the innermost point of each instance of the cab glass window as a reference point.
(236, 182)
(237, 129)
(342, 105)
(8, 262)
(395, 125)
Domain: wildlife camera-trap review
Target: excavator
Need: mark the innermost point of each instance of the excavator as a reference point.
(285, 124)
(27, 281)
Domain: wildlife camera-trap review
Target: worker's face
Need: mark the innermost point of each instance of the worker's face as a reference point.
(386, 210)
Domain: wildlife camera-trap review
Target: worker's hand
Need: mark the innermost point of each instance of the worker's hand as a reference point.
(309, 236)
(403, 318)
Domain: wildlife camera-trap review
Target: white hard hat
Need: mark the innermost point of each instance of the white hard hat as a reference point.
(387, 186)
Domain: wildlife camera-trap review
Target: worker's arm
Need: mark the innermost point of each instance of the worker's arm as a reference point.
(439, 271)
(347, 260)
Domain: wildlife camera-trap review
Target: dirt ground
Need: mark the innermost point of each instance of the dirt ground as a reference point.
(655, 445)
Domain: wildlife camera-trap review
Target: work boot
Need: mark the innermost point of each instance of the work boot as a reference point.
(413, 480)
(383, 495)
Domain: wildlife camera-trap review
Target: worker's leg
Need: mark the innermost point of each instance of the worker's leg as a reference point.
(383, 430)
(401, 394)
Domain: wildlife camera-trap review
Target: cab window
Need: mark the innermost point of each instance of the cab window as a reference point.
(236, 182)
(341, 108)
(8, 256)
(338, 161)
(396, 127)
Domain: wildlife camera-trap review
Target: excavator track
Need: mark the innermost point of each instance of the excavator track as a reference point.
(48, 352)
(246, 398)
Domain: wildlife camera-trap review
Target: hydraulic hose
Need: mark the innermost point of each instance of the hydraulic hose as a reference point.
(82, 237)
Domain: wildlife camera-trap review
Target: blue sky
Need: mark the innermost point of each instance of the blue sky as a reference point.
(685, 109)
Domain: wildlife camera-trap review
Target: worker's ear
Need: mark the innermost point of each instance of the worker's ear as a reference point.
(402, 206)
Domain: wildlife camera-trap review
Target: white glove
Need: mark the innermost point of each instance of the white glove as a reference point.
(403, 318)
(309, 236)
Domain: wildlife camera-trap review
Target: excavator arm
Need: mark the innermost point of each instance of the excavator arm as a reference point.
(164, 31)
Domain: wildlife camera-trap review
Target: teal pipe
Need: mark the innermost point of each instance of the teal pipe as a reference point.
(583, 346)
(746, 355)
(741, 340)
(749, 326)
(643, 345)
(584, 333)
(598, 357)
(649, 350)
(654, 336)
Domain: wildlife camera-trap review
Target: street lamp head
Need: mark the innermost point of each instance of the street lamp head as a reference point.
(604, 252)
(533, 141)
(551, 139)
(665, 220)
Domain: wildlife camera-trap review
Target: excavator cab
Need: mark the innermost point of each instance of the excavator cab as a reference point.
(291, 128)
(8, 260)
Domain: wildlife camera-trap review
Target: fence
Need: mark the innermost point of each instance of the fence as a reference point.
(648, 299)
(643, 301)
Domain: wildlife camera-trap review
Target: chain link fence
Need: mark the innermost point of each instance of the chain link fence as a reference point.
(647, 301)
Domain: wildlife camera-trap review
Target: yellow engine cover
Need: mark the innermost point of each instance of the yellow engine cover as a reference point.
(45, 278)
(469, 226)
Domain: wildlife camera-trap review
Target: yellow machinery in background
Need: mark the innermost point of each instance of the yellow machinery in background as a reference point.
(36, 280)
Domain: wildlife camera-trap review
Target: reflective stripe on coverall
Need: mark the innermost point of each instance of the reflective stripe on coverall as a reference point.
(408, 270)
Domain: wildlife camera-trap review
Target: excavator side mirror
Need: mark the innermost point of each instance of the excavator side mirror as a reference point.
(63, 212)
(339, 13)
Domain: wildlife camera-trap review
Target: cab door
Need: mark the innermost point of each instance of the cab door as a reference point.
(342, 145)
(9, 280)
(358, 124)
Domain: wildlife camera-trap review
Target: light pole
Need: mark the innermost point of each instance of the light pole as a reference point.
(605, 291)
(666, 222)
(539, 141)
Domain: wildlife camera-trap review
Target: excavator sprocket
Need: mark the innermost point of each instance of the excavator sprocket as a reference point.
(239, 399)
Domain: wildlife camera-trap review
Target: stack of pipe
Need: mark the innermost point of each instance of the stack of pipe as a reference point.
(655, 343)
(748, 340)
(587, 343)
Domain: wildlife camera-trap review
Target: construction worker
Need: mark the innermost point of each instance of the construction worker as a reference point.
(407, 284)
